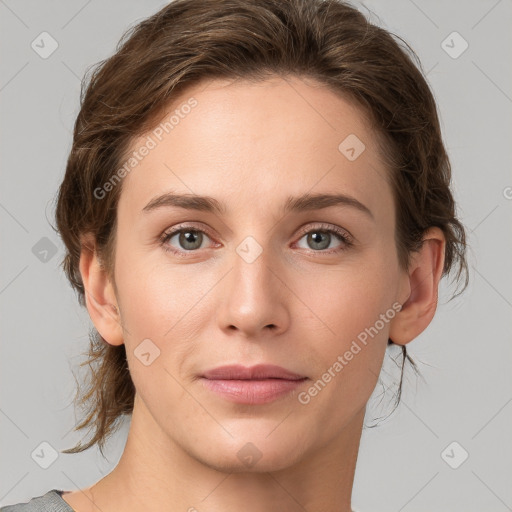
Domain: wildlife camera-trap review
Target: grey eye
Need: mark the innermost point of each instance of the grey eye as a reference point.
(188, 239)
(319, 240)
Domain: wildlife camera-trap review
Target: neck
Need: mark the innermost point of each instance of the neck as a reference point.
(156, 472)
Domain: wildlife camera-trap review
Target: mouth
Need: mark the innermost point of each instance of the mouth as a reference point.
(252, 385)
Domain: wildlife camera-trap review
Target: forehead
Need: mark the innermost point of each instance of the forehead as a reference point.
(239, 141)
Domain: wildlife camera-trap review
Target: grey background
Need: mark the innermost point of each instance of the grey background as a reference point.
(465, 354)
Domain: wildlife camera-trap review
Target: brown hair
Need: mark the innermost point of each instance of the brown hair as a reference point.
(190, 40)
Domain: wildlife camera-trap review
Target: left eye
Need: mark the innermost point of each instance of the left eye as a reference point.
(320, 239)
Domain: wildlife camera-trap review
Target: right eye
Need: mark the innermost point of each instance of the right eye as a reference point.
(183, 239)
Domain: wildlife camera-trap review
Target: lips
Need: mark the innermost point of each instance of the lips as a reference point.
(258, 372)
(255, 385)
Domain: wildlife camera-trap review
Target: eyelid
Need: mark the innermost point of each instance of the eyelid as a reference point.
(186, 225)
(322, 226)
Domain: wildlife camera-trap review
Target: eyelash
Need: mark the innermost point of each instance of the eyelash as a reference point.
(344, 237)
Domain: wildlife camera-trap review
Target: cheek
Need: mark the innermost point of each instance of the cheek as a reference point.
(351, 298)
(352, 309)
(162, 315)
(156, 296)
(355, 310)
(170, 306)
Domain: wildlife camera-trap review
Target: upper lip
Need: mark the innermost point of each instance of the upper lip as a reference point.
(260, 371)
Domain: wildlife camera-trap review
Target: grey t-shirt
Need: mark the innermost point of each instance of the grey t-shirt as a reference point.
(50, 502)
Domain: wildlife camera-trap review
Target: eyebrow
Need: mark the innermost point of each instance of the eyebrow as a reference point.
(305, 202)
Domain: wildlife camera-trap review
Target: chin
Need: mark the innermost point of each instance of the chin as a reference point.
(253, 454)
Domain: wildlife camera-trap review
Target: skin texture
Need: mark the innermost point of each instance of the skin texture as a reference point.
(251, 146)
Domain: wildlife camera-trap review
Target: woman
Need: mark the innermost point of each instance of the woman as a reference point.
(256, 205)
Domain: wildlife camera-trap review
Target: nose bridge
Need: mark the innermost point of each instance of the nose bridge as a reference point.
(253, 298)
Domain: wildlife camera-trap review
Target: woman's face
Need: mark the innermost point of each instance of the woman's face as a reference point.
(257, 281)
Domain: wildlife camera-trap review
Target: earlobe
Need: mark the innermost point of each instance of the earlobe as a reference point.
(422, 281)
(100, 297)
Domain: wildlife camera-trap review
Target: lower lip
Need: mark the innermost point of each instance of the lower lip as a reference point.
(252, 391)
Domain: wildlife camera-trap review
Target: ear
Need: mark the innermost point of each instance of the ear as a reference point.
(100, 297)
(420, 288)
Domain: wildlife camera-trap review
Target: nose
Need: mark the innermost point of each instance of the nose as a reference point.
(253, 297)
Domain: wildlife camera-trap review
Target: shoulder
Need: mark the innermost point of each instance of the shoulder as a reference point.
(50, 502)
